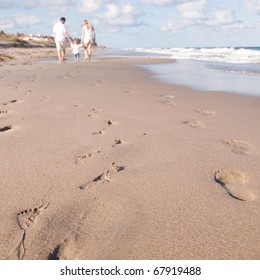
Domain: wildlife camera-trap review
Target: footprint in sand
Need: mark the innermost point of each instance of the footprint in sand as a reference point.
(194, 124)
(81, 159)
(28, 92)
(3, 112)
(238, 146)
(7, 128)
(100, 132)
(110, 122)
(98, 83)
(64, 250)
(169, 102)
(118, 142)
(130, 90)
(26, 220)
(235, 183)
(105, 177)
(95, 112)
(206, 112)
(12, 101)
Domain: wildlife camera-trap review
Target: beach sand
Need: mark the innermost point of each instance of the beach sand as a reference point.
(101, 161)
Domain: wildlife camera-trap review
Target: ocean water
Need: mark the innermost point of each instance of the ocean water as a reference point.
(235, 70)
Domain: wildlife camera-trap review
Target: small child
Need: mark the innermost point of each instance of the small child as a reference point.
(75, 49)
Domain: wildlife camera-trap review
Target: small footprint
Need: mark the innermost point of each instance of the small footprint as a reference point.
(100, 132)
(119, 142)
(12, 101)
(110, 122)
(81, 159)
(25, 220)
(2, 112)
(28, 92)
(63, 250)
(169, 102)
(7, 128)
(194, 124)
(206, 112)
(105, 177)
(99, 83)
(95, 111)
(235, 183)
(238, 146)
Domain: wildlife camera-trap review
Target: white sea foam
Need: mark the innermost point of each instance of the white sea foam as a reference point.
(228, 55)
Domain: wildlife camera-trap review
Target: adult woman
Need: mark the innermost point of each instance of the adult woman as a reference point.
(87, 38)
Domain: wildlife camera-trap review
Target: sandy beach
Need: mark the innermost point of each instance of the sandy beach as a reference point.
(102, 161)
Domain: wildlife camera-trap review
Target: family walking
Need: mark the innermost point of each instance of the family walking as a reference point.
(87, 38)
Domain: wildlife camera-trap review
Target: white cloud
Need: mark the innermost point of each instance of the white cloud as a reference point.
(193, 10)
(166, 2)
(90, 6)
(6, 24)
(7, 4)
(25, 20)
(121, 15)
(197, 13)
(253, 5)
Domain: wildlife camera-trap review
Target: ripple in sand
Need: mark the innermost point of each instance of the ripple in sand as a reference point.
(235, 184)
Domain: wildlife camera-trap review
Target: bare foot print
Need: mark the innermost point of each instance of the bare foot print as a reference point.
(64, 250)
(12, 101)
(235, 183)
(131, 90)
(110, 122)
(104, 177)
(119, 142)
(169, 102)
(206, 112)
(3, 112)
(81, 159)
(28, 92)
(100, 132)
(238, 146)
(7, 128)
(94, 113)
(99, 83)
(194, 124)
(26, 219)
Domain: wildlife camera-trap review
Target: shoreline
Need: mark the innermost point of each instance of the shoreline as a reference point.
(102, 161)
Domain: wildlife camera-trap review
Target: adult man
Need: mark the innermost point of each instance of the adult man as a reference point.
(60, 33)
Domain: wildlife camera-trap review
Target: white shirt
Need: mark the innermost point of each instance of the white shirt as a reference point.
(59, 30)
(75, 48)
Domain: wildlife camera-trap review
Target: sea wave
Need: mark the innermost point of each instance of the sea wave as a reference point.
(229, 55)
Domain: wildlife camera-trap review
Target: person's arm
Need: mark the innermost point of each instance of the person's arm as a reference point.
(68, 36)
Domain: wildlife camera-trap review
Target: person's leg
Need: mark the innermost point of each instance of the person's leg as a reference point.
(58, 47)
(63, 52)
(89, 51)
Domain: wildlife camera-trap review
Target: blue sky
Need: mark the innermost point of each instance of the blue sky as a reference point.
(141, 23)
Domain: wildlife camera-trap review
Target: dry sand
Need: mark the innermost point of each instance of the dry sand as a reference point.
(99, 162)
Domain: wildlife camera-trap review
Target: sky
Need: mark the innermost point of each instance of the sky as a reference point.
(141, 23)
